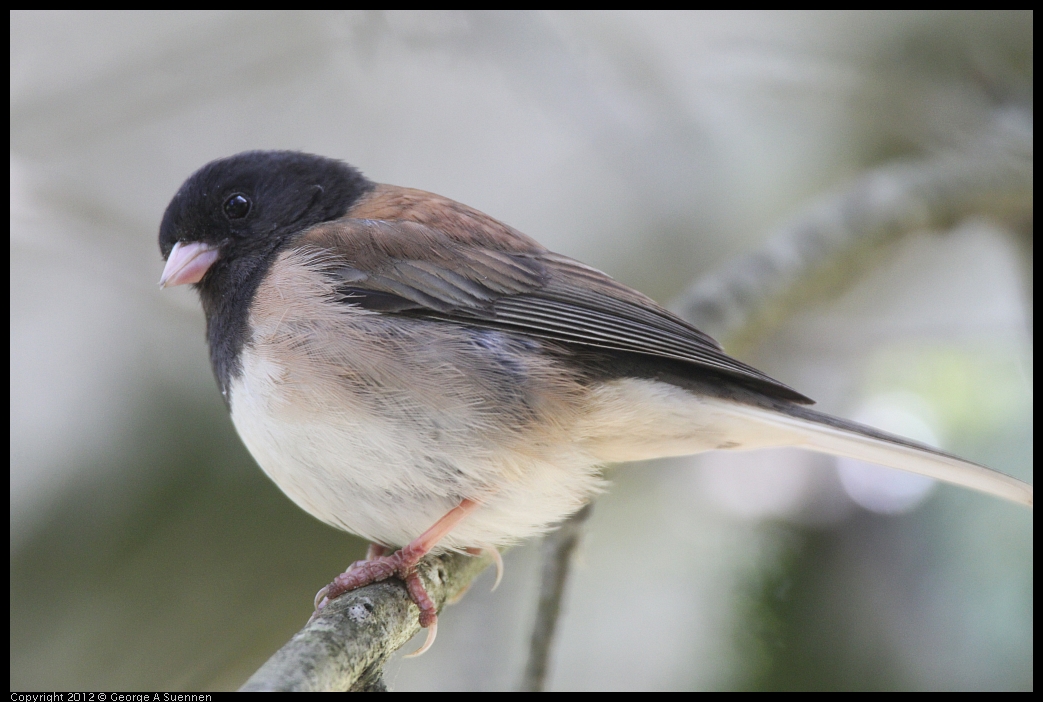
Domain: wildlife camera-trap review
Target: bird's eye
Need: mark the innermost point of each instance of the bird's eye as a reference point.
(237, 206)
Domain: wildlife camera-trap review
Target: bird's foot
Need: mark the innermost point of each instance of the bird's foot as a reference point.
(376, 568)
(403, 565)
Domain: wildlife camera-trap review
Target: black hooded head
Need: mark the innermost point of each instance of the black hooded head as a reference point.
(247, 208)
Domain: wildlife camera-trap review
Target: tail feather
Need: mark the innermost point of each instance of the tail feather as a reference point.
(839, 437)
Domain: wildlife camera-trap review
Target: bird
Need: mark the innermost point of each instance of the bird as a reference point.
(413, 371)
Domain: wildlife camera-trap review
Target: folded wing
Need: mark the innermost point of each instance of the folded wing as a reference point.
(410, 268)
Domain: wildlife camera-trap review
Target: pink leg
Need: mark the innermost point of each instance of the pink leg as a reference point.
(401, 563)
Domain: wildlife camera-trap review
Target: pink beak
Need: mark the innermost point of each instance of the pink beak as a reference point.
(187, 263)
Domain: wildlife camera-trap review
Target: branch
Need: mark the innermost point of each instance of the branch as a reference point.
(558, 548)
(347, 645)
(814, 257)
(823, 249)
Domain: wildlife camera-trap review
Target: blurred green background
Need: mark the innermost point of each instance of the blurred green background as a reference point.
(149, 552)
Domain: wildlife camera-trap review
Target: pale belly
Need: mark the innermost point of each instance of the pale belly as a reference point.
(385, 454)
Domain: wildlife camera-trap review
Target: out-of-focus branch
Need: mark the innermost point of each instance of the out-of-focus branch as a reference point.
(824, 248)
(815, 256)
(558, 548)
(347, 645)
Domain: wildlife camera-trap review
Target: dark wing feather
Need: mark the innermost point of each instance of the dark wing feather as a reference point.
(407, 267)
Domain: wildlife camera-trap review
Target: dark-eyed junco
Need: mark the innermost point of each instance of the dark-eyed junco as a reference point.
(413, 371)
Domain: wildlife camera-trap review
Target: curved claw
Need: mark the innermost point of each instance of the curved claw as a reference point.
(319, 597)
(494, 553)
(432, 632)
(320, 602)
(498, 560)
